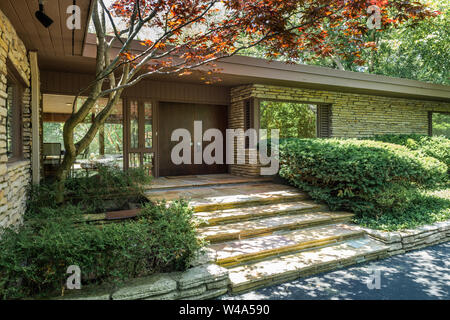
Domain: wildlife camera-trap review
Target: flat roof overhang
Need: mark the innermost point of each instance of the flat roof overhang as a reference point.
(241, 70)
(314, 77)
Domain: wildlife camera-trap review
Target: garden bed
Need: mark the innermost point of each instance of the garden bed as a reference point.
(151, 238)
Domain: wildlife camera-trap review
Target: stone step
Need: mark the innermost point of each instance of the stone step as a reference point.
(266, 226)
(237, 252)
(216, 217)
(201, 181)
(305, 263)
(231, 196)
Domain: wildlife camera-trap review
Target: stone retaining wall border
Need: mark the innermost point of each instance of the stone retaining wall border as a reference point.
(204, 280)
(406, 240)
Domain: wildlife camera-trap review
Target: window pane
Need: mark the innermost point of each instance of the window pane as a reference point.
(148, 124)
(294, 120)
(134, 160)
(107, 146)
(148, 162)
(113, 136)
(53, 133)
(9, 120)
(134, 125)
(441, 124)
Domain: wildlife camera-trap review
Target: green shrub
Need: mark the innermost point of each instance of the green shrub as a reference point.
(91, 192)
(436, 146)
(34, 259)
(110, 183)
(366, 177)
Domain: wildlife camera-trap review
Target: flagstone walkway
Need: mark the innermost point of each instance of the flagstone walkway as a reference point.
(267, 233)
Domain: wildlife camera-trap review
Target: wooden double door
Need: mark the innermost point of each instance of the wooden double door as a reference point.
(173, 116)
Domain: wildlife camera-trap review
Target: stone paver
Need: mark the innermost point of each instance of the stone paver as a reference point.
(200, 180)
(154, 285)
(223, 197)
(200, 275)
(245, 229)
(292, 266)
(229, 253)
(265, 233)
(253, 212)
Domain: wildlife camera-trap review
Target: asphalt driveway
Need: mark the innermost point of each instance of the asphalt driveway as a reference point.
(420, 274)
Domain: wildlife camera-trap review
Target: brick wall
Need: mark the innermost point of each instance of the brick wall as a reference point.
(352, 115)
(14, 176)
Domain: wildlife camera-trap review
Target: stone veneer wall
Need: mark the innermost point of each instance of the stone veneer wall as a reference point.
(352, 115)
(14, 176)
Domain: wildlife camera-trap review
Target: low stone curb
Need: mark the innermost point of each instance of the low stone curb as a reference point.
(201, 282)
(412, 239)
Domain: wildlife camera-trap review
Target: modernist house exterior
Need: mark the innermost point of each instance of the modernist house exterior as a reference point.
(41, 70)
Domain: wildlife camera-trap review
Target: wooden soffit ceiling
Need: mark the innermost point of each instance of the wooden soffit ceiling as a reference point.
(58, 39)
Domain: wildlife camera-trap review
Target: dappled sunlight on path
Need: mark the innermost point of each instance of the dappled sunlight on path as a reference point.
(422, 274)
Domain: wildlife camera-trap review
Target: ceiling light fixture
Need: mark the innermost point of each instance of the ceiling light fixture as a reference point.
(44, 19)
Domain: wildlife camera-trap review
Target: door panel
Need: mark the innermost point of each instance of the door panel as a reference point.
(182, 115)
(213, 117)
(140, 134)
(173, 116)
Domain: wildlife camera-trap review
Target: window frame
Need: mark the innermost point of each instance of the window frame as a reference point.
(249, 119)
(14, 79)
(318, 105)
(430, 120)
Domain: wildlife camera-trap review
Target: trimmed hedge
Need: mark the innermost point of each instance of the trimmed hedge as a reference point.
(34, 259)
(437, 146)
(366, 177)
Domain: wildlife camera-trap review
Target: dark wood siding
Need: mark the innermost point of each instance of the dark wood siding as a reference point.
(70, 83)
(430, 123)
(324, 120)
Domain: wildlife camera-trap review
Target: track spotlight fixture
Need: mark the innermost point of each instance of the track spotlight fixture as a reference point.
(44, 19)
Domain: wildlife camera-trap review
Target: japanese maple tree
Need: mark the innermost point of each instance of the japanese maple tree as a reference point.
(179, 36)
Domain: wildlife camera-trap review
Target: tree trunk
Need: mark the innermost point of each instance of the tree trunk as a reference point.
(74, 149)
(101, 141)
(63, 172)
